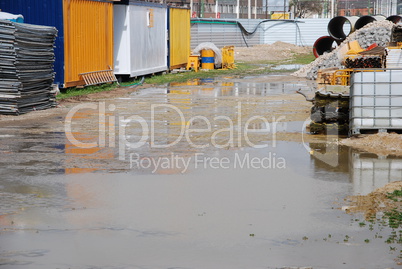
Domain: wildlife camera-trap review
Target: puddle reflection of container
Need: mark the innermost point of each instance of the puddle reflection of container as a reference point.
(84, 160)
(330, 157)
(369, 171)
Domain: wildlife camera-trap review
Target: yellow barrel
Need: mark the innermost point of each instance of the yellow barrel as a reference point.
(207, 59)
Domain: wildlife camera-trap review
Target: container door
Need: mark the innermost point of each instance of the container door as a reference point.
(179, 37)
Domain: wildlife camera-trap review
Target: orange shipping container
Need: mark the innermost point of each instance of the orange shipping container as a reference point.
(88, 38)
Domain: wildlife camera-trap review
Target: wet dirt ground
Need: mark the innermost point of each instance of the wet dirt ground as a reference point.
(204, 174)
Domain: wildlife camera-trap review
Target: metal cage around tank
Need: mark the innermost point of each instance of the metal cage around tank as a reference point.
(376, 101)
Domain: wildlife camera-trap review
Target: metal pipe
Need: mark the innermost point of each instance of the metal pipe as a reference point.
(249, 9)
(394, 18)
(238, 9)
(364, 20)
(255, 6)
(336, 24)
(284, 9)
(324, 44)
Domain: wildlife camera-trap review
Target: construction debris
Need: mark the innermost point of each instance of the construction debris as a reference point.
(330, 112)
(365, 62)
(26, 67)
(397, 34)
(378, 32)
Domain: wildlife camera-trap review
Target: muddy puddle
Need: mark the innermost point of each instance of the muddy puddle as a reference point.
(207, 175)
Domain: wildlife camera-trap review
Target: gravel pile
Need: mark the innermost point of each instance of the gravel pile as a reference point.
(376, 32)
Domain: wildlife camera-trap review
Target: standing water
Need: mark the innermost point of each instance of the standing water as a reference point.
(205, 174)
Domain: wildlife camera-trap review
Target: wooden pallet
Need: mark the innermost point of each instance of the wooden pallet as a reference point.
(98, 77)
(358, 131)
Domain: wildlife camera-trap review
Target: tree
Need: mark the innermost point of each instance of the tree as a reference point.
(305, 8)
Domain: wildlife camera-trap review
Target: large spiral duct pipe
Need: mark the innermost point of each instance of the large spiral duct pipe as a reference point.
(324, 44)
(363, 20)
(336, 26)
(394, 18)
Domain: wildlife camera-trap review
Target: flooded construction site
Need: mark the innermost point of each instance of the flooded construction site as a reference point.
(187, 135)
(205, 174)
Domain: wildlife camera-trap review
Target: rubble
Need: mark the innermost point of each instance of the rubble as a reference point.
(378, 32)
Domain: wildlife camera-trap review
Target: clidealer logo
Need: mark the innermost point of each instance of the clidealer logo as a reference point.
(114, 129)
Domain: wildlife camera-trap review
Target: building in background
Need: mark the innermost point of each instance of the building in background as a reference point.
(369, 7)
(232, 9)
(263, 9)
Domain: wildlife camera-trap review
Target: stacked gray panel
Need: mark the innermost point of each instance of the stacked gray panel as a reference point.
(26, 67)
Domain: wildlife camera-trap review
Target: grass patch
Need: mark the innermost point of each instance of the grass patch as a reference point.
(394, 218)
(242, 69)
(303, 59)
(395, 196)
(71, 92)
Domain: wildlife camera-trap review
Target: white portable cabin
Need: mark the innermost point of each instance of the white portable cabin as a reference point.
(140, 38)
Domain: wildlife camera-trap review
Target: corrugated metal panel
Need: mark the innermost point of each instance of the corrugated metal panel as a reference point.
(302, 32)
(140, 34)
(179, 36)
(224, 33)
(42, 12)
(280, 30)
(88, 28)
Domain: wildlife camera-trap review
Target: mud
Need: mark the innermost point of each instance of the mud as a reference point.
(374, 202)
(380, 143)
(272, 52)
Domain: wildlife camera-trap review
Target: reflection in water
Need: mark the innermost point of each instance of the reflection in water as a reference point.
(213, 88)
(80, 159)
(369, 171)
(287, 67)
(366, 171)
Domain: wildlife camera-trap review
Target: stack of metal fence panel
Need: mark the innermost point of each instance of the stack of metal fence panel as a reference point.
(26, 67)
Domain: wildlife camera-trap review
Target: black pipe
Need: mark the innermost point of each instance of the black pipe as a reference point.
(394, 18)
(335, 26)
(363, 20)
(324, 44)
